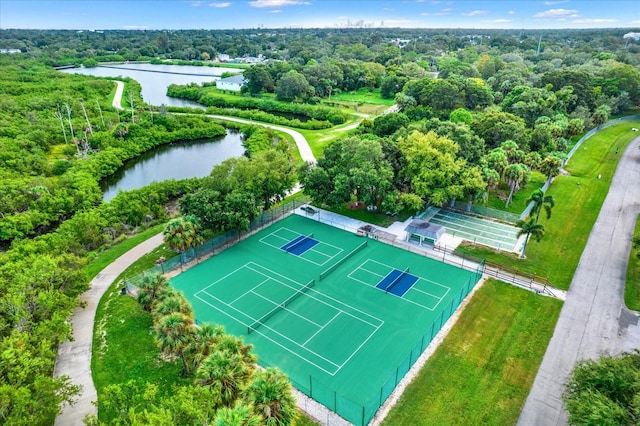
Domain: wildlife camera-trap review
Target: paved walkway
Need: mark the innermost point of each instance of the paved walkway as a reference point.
(117, 98)
(593, 320)
(301, 142)
(74, 357)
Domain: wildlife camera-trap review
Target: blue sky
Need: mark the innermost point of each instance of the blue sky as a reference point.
(229, 14)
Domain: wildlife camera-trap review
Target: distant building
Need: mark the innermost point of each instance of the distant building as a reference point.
(10, 51)
(635, 36)
(233, 83)
(223, 57)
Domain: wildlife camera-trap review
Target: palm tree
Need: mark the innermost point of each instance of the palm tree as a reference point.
(226, 372)
(150, 289)
(514, 175)
(205, 338)
(174, 302)
(182, 234)
(540, 201)
(173, 335)
(240, 415)
(235, 344)
(529, 228)
(270, 394)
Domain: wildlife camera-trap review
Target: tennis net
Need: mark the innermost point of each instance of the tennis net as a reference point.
(299, 292)
(397, 280)
(331, 268)
(302, 239)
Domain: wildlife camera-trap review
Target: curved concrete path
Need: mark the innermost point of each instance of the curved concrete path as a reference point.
(117, 98)
(594, 320)
(74, 357)
(301, 142)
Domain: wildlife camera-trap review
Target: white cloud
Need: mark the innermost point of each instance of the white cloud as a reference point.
(388, 9)
(220, 5)
(636, 22)
(275, 11)
(196, 3)
(511, 12)
(475, 13)
(277, 3)
(556, 13)
(594, 21)
(441, 13)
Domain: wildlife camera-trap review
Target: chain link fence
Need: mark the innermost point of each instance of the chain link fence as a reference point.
(215, 244)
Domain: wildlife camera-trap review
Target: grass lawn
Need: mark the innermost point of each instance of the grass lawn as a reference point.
(632, 289)
(579, 197)
(361, 96)
(106, 257)
(484, 369)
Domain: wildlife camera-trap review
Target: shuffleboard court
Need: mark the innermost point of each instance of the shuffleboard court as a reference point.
(487, 232)
(343, 316)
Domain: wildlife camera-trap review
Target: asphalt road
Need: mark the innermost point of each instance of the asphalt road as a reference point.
(594, 320)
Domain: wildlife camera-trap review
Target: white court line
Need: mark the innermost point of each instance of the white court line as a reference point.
(256, 268)
(222, 278)
(287, 338)
(311, 290)
(276, 304)
(321, 328)
(248, 291)
(267, 337)
(361, 267)
(301, 256)
(262, 324)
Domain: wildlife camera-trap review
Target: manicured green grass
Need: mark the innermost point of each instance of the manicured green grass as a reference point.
(484, 369)
(578, 199)
(362, 96)
(108, 256)
(632, 288)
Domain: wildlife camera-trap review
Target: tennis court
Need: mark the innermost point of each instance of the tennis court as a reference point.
(487, 232)
(343, 316)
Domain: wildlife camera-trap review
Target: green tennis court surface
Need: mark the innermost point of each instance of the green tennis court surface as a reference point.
(347, 339)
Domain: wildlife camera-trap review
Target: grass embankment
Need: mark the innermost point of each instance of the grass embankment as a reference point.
(632, 288)
(123, 347)
(485, 367)
(108, 256)
(578, 199)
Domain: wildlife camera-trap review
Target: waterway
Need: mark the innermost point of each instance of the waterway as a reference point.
(155, 79)
(177, 160)
(173, 161)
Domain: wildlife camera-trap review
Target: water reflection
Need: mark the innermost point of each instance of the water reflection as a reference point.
(175, 161)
